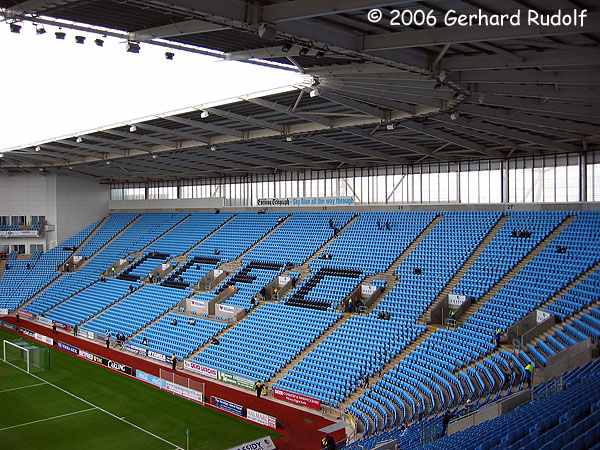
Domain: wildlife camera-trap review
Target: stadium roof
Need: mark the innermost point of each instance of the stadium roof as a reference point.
(384, 94)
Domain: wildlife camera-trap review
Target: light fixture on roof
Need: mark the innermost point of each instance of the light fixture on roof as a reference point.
(389, 126)
(70, 167)
(15, 27)
(133, 47)
(154, 156)
(132, 129)
(79, 139)
(454, 115)
(80, 39)
(169, 56)
(289, 138)
(286, 47)
(39, 29)
(108, 163)
(314, 92)
(213, 148)
(60, 35)
(38, 148)
(1, 155)
(99, 42)
(204, 114)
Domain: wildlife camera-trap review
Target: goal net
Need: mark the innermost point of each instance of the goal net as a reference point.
(26, 356)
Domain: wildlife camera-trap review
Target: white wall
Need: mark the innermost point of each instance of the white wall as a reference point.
(68, 203)
(79, 202)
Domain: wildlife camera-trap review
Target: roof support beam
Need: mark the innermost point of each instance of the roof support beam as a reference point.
(306, 9)
(447, 137)
(562, 58)
(249, 120)
(220, 129)
(139, 137)
(517, 117)
(184, 28)
(352, 104)
(178, 134)
(512, 134)
(35, 6)
(460, 35)
(356, 149)
(282, 109)
(394, 142)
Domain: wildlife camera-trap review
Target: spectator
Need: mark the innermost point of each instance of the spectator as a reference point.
(174, 362)
(498, 336)
(258, 387)
(75, 329)
(446, 420)
(529, 375)
(54, 327)
(17, 317)
(214, 340)
(108, 341)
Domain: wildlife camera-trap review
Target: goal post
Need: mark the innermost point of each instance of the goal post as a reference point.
(26, 356)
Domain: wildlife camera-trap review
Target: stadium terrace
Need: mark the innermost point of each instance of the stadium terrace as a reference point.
(360, 234)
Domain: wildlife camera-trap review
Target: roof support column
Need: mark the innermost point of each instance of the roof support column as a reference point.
(583, 159)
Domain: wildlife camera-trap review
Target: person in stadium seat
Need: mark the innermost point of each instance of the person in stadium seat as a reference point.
(75, 329)
(529, 374)
(174, 362)
(498, 336)
(54, 327)
(258, 387)
(214, 340)
(107, 341)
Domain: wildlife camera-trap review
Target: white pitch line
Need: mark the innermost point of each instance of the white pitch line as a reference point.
(49, 418)
(175, 446)
(22, 387)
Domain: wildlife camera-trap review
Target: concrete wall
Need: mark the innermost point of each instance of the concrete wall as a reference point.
(68, 203)
(79, 202)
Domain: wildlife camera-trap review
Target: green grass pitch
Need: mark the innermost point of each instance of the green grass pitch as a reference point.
(112, 412)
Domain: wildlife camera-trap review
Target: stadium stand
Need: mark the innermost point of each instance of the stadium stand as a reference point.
(385, 365)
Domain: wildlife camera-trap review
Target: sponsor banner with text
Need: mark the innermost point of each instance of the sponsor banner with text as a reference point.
(202, 370)
(3, 312)
(182, 391)
(236, 381)
(298, 399)
(265, 443)
(228, 406)
(68, 348)
(261, 418)
(157, 356)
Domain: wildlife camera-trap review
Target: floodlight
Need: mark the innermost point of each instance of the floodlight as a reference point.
(204, 114)
(132, 129)
(133, 47)
(60, 35)
(80, 39)
(169, 56)
(99, 42)
(14, 27)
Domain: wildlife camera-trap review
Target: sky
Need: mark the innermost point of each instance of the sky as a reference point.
(53, 88)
